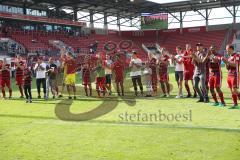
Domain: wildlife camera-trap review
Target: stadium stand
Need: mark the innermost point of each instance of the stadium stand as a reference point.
(41, 41)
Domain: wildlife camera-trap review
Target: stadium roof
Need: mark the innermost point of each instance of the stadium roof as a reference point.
(123, 8)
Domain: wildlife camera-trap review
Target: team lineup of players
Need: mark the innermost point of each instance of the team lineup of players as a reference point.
(201, 67)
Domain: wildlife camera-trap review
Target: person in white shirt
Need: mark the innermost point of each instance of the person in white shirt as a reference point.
(40, 69)
(108, 73)
(136, 72)
(179, 70)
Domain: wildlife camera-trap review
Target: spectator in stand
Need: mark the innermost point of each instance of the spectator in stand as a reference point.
(40, 69)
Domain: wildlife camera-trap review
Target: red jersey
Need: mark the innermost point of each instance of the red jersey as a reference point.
(187, 62)
(233, 71)
(5, 72)
(153, 65)
(19, 71)
(215, 65)
(118, 68)
(86, 73)
(71, 66)
(0, 72)
(163, 68)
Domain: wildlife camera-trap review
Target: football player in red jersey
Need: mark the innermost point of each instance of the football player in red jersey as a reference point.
(86, 78)
(153, 66)
(163, 63)
(70, 79)
(215, 76)
(188, 70)
(118, 70)
(5, 70)
(232, 64)
(1, 63)
(19, 65)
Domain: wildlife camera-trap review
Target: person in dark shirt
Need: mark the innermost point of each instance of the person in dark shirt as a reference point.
(52, 71)
(27, 84)
(199, 76)
(215, 76)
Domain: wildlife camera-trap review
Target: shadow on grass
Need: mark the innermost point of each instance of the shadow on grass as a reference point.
(124, 123)
(62, 109)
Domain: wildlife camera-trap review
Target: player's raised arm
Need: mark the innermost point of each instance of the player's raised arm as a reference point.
(199, 58)
(63, 53)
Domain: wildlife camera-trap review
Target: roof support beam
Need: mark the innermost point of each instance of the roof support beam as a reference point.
(204, 16)
(181, 23)
(98, 19)
(75, 16)
(233, 13)
(206, 19)
(105, 23)
(130, 19)
(91, 19)
(118, 22)
(174, 16)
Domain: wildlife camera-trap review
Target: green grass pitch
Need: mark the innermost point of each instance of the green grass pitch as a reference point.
(118, 129)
